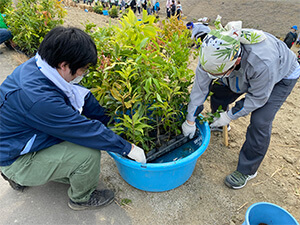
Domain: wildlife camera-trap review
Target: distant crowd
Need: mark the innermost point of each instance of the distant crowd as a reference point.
(151, 6)
(173, 7)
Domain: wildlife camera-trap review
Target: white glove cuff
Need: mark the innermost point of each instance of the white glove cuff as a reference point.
(190, 125)
(227, 117)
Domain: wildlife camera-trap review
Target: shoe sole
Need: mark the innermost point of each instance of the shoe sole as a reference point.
(79, 207)
(239, 187)
(14, 185)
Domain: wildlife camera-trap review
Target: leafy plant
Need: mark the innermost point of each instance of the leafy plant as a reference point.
(125, 201)
(210, 117)
(98, 9)
(171, 26)
(113, 12)
(31, 20)
(142, 76)
(4, 4)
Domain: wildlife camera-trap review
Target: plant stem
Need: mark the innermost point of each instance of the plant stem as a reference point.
(157, 131)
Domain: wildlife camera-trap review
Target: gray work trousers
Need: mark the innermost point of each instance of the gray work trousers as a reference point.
(259, 130)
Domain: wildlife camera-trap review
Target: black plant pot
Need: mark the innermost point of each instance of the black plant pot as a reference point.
(168, 146)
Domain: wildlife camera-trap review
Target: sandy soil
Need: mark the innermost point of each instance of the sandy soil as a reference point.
(204, 199)
(273, 16)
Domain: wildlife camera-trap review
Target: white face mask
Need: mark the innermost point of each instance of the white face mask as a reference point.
(76, 80)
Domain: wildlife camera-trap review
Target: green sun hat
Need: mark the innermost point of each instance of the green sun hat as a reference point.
(221, 47)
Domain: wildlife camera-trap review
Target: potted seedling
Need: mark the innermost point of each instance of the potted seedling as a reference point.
(29, 29)
(98, 9)
(113, 12)
(143, 79)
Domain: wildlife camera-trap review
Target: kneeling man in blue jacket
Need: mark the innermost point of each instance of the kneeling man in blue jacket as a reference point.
(52, 129)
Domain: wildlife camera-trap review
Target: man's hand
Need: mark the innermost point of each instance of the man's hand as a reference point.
(222, 121)
(137, 154)
(188, 129)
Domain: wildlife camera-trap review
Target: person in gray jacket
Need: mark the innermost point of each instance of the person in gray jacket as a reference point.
(250, 62)
(199, 31)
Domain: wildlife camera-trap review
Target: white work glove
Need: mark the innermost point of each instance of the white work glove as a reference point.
(188, 129)
(137, 154)
(222, 121)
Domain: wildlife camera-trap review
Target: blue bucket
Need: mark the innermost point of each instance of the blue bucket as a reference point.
(158, 177)
(268, 213)
(105, 12)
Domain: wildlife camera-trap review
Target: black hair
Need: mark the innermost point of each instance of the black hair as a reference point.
(70, 45)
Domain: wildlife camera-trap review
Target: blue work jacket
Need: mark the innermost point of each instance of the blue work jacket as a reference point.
(36, 114)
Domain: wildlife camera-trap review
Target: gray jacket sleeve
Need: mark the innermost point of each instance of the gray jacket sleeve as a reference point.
(198, 94)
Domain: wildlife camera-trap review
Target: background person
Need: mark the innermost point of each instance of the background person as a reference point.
(298, 41)
(178, 10)
(52, 129)
(199, 31)
(139, 5)
(173, 8)
(156, 7)
(244, 61)
(133, 5)
(291, 37)
(5, 34)
(168, 8)
(149, 7)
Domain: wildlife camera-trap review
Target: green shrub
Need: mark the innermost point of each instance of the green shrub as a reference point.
(4, 4)
(113, 12)
(98, 9)
(142, 77)
(31, 20)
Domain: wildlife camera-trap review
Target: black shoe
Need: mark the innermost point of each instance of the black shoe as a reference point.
(98, 199)
(8, 45)
(13, 184)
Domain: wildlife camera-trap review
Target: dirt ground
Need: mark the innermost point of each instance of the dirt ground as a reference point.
(273, 16)
(204, 199)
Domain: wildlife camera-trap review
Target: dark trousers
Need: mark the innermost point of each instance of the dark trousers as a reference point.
(259, 130)
(4, 35)
(168, 13)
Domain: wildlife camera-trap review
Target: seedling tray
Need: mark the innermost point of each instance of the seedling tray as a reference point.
(169, 146)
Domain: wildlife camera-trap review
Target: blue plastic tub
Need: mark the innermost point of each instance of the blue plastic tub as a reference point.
(105, 12)
(268, 213)
(158, 177)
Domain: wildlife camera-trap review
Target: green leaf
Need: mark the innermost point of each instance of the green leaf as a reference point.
(158, 98)
(143, 43)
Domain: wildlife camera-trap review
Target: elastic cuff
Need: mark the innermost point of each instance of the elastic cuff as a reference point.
(126, 149)
(190, 118)
(230, 115)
